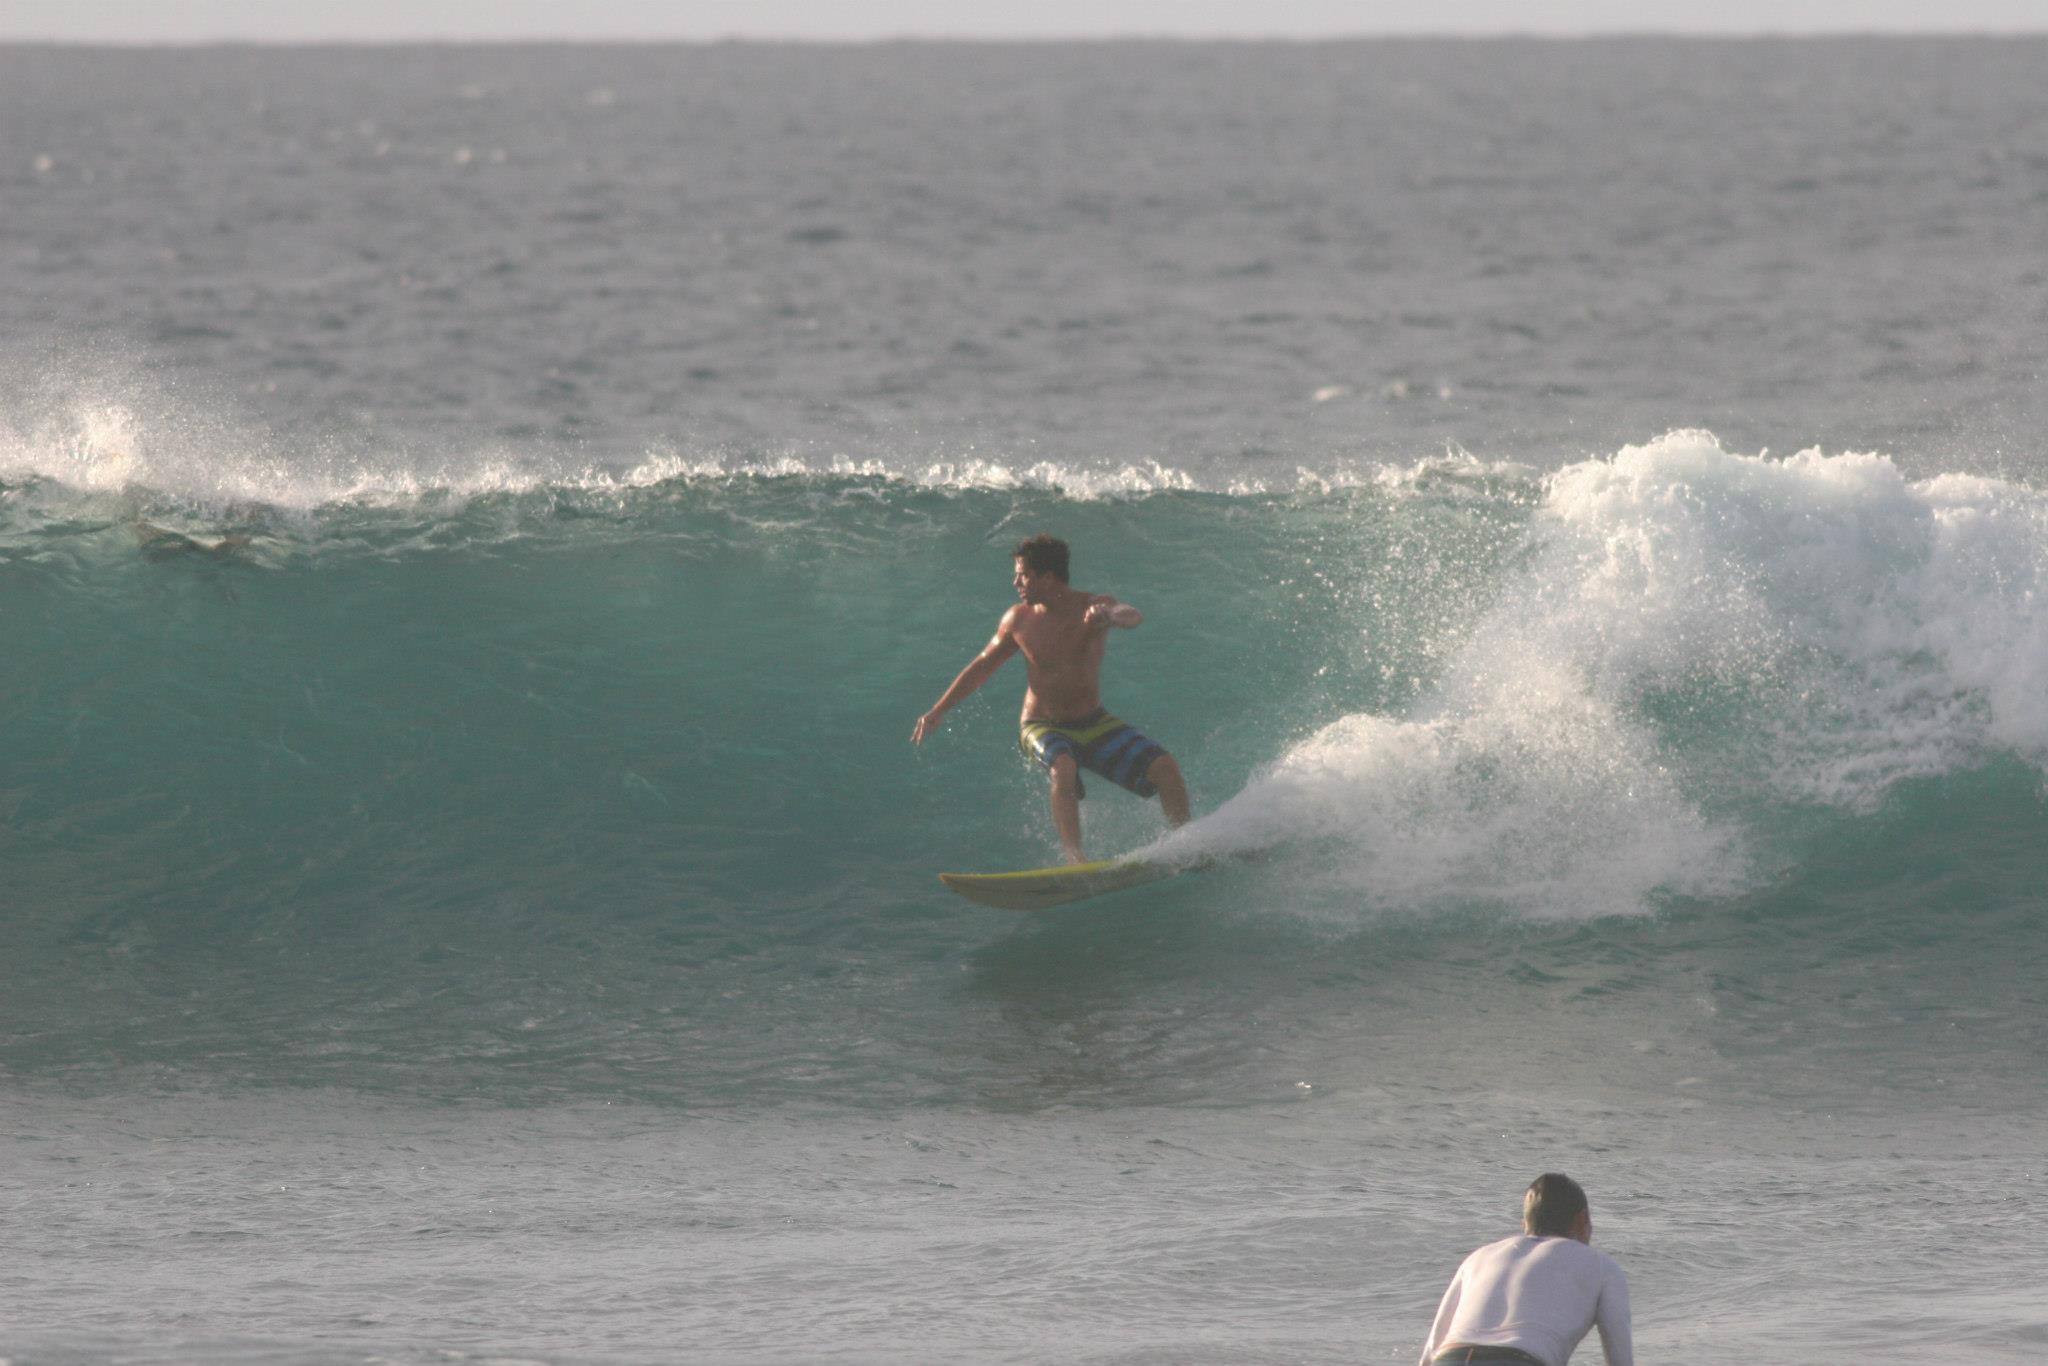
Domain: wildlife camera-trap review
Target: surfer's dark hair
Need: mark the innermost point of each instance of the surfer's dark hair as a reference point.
(1042, 554)
(1552, 1204)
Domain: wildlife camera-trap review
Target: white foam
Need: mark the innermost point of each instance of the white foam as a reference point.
(114, 446)
(1534, 796)
(1897, 627)
(106, 426)
(1836, 628)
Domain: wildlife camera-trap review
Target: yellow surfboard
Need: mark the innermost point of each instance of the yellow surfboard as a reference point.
(1038, 889)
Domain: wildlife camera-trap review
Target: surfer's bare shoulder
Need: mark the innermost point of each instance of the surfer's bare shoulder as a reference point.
(1008, 631)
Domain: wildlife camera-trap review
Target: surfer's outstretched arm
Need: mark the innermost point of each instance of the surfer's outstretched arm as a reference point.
(1107, 611)
(978, 671)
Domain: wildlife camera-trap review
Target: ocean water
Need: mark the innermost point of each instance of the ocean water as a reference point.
(477, 526)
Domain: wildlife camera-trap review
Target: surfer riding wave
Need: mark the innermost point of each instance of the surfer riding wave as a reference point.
(1063, 633)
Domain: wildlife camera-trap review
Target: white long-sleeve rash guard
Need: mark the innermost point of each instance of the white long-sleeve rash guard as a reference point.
(1538, 1294)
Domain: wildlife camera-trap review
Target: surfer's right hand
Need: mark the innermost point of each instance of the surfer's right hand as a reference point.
(926, 725)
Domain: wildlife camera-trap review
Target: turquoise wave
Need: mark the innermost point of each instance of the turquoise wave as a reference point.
(553, 787)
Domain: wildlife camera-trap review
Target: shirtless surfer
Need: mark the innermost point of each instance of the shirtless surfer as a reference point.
(1063, 632)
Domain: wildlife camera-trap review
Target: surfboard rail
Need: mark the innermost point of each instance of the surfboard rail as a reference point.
(1038, 889)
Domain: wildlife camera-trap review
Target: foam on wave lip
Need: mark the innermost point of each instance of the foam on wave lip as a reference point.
(139, 439)
(1842, 628)
(103, 454)
(111, 449)
(1086, 483)
(1895, 629)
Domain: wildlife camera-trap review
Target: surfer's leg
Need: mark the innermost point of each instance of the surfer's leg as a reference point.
(1066, 805)
(1164, 774)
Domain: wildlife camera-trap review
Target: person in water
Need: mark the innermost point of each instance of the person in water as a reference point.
(1529, 1300)
(1062, 632)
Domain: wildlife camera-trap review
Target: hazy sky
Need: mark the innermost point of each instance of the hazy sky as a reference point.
(156, 21)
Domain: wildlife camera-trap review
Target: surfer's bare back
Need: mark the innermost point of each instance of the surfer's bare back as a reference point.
(1062, 633)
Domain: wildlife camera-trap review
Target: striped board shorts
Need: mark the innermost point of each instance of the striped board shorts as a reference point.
(1099, 743)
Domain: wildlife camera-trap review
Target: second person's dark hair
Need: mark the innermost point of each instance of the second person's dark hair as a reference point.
(1552, 1205)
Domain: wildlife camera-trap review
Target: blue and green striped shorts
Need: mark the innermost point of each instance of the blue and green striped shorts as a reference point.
(1099, 743)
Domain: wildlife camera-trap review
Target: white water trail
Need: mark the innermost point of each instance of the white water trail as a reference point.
(1696, 639)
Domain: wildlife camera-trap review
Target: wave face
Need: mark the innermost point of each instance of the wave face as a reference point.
(531, 784)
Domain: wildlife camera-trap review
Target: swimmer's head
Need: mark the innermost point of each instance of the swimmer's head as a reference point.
(1555, 1207)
